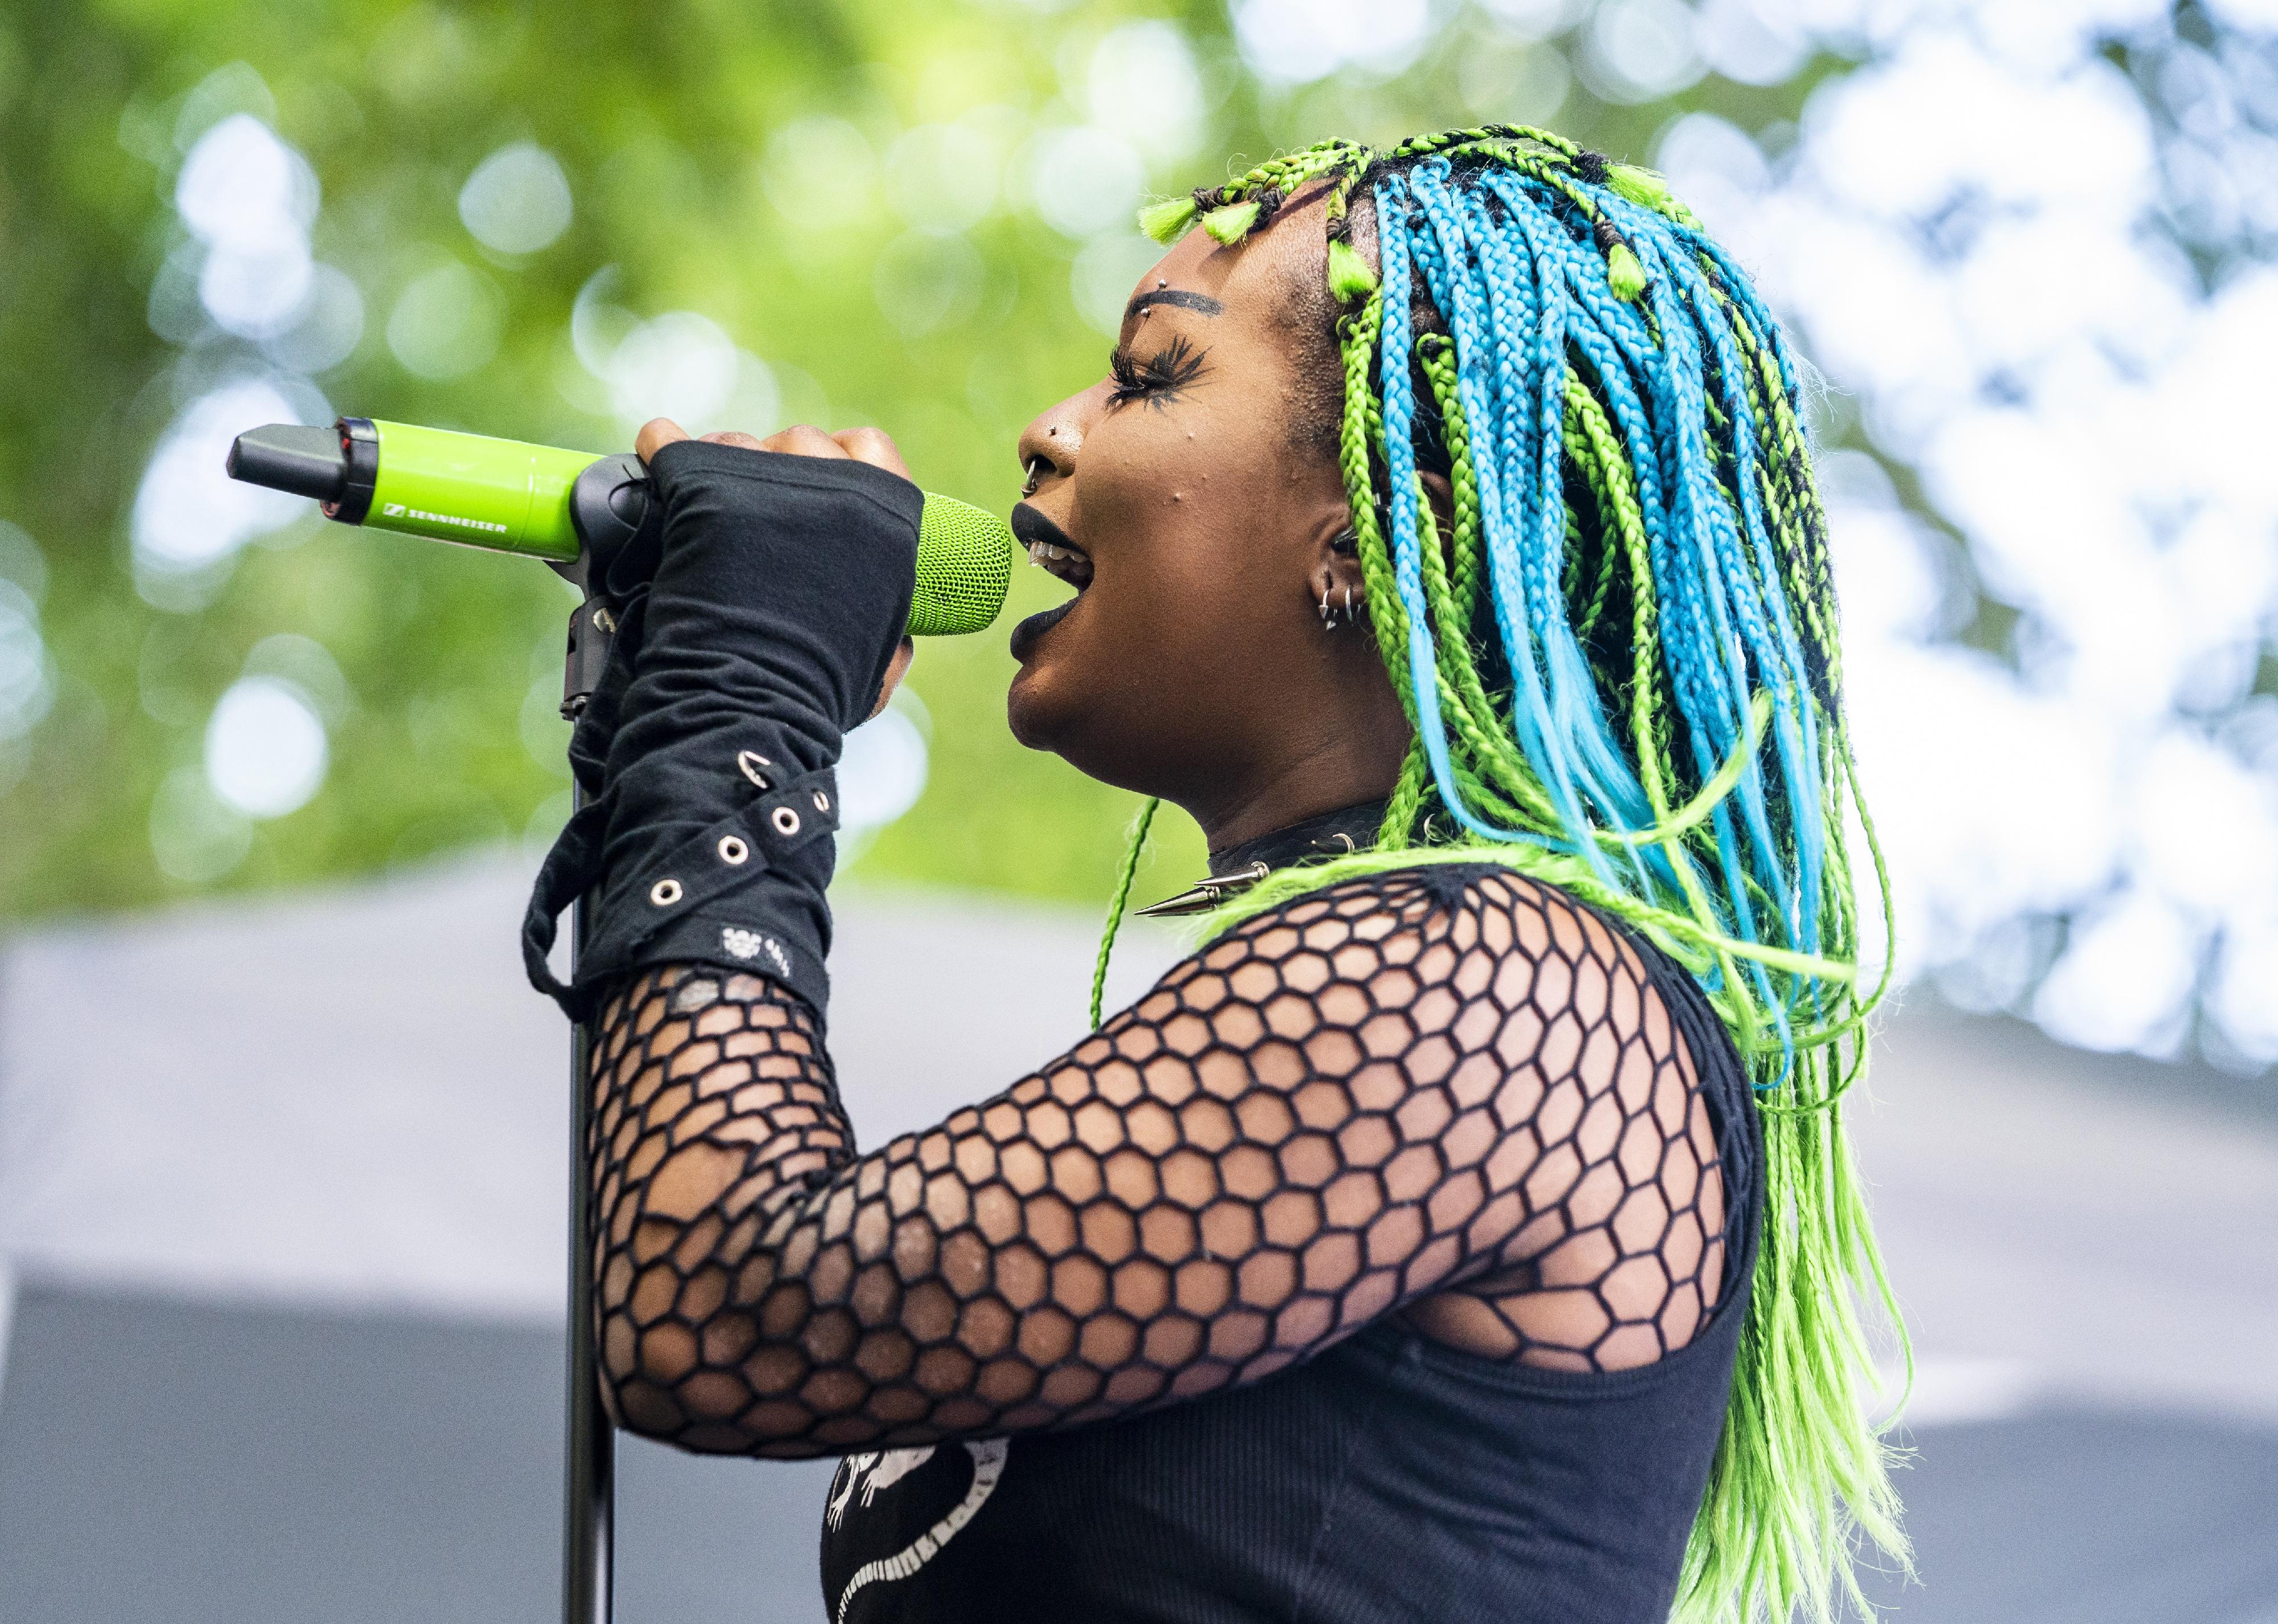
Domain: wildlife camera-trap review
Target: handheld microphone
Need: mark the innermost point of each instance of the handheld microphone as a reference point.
(547, 504)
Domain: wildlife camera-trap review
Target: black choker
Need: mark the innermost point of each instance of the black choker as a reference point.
(1238, 868)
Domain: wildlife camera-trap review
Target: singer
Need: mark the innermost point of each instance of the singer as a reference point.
(1466, 1231)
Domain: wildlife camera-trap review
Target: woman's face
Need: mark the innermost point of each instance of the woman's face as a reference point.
(1203, 520)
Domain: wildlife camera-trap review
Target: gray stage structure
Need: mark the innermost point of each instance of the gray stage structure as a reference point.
(281, 1255)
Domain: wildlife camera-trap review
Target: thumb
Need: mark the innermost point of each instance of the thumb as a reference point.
(655, 434)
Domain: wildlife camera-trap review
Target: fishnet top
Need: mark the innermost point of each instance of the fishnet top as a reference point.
(1453, 1095)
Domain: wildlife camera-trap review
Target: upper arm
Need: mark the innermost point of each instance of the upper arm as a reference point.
(1341, 1106)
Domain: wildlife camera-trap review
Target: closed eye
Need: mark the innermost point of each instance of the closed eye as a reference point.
(1161, 378)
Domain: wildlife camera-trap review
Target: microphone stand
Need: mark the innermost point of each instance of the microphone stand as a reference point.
(591, 1441)
(590, 1449)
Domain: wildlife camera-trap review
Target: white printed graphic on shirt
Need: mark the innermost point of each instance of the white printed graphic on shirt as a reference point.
(879, 1469)
(872, 1472)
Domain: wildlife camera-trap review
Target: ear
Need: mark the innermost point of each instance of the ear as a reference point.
(1335, 577)
(1339, 595)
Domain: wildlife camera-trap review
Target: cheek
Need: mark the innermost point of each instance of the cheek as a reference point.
(1152, 661)
(1184, 511)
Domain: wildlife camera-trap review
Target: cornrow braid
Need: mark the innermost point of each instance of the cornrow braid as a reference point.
(1619, 657)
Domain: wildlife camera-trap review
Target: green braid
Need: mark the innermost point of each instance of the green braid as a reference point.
(1115, 903)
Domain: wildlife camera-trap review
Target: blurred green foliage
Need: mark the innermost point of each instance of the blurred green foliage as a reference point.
(661, 117)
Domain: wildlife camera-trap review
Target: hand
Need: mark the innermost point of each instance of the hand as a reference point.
(873, 446)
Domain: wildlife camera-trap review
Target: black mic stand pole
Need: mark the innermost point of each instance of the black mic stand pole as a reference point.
(590, 1449)
(607, 516)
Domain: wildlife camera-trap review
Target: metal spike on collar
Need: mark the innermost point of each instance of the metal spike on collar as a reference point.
(1202, 898)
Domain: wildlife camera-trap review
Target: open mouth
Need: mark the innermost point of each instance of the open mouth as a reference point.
(1048, 548)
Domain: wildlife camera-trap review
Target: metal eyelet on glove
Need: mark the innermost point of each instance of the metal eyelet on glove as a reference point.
(665, 893)
(733, 851)
(785, 820)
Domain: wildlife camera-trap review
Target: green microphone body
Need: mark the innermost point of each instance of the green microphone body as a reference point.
(548, 503)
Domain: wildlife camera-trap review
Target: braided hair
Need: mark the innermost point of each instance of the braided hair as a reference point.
(1620, 661)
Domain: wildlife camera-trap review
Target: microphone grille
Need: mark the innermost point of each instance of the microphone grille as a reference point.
(964, 564)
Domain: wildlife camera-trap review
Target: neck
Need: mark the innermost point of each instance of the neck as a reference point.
(1344, 751)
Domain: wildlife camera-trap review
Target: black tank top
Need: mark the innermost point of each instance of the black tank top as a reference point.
(1389, 1478)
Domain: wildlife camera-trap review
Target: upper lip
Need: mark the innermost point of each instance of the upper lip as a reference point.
(1049, 544)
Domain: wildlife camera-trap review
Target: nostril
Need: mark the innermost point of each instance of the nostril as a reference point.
(1037, 467)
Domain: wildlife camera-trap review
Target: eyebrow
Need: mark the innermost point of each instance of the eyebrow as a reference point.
(1201, 303)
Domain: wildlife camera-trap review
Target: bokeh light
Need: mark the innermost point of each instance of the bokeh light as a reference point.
(195, 838)
(446, 322)
(265, 747)
(1297, 40)
(190, 516)
(518, 200)
(882, 772)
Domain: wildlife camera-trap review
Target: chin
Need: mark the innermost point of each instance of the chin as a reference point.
(1042, 716)
(1042, 711)
(1025, 715)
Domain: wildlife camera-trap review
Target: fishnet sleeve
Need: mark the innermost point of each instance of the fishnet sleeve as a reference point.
(1459, 1098)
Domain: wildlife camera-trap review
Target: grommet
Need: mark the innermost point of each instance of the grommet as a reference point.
(785, 820)
(822, 801)
(732, 850)
(665, 893)
(750, 762)
(603, 621)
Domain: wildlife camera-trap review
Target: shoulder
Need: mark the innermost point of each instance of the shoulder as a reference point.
(1431, 914)
(1474, 953)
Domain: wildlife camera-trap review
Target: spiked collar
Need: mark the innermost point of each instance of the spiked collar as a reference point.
(1238, 868)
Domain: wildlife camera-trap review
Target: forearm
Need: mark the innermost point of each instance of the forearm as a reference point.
(755, 630)
(714, 1111)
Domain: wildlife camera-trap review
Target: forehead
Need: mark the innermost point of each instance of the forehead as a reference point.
(1255, 278)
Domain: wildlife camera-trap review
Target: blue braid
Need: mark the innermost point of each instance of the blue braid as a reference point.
(1527, 302)
(1514, 572)
(1407, 502)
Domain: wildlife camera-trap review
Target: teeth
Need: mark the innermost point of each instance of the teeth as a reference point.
(1038, 551)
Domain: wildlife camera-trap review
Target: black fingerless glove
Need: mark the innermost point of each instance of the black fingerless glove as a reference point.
(781, 588)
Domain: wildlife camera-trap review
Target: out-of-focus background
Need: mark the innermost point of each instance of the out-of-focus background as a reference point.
(281, 1139)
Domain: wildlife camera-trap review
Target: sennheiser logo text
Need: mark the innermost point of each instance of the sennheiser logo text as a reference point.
(396, 509)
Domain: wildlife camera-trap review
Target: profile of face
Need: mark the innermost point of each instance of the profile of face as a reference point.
(1203, 527)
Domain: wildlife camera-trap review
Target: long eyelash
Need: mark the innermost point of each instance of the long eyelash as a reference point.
(1161, 378)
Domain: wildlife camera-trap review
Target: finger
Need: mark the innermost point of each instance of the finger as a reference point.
(735, 436)
(655, 434)
(874, 446)
(897, 668)
(803, 442)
